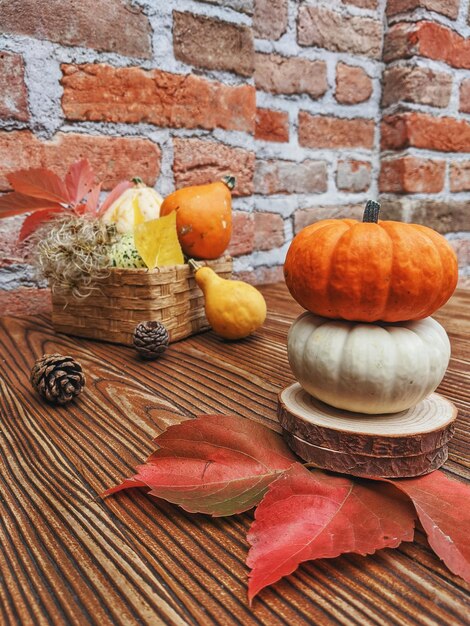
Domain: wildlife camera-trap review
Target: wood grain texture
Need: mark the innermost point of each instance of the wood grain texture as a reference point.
(72, 558)
(365, 465)
(395, 445)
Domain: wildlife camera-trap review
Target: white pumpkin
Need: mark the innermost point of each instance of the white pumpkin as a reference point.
(136, 205)
(368, 368)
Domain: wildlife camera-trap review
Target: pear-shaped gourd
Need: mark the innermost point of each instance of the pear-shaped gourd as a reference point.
(234, 309)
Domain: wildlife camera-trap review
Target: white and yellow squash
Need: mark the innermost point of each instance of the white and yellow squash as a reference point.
(368, 368)
(135, 206)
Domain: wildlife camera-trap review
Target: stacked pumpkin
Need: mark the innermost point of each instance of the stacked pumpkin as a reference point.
(366, 354)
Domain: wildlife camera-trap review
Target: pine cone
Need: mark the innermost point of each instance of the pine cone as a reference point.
(58, 379)
(151, 339)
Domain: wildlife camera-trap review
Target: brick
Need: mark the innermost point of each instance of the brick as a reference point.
(321, 131)
(13, 97)
(450, 8)
(461, 247)
(197, 162)
(25, 301)
(109, 25)
(416, 84)
(113, 158)
(353, 85)
(272, 125)
(419, 130)
(427, 39)
(243, 234)
(362, 4)
(277, 176)
(396, 45)
(412, 175)
(353, 176)
(262, 275)
(335, 31)
(290, 75)
(270, 18)
(464, 96)
(460, 176)
(9, 232)
(445, 217)
(101, 93)
(305, 217)
(213, 44)
(269, 231)
(243, 6)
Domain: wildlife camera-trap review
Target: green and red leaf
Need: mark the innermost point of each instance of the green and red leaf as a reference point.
(37, 219)
(16, 203)
(79, 180)
(93, 199)
(312, 515)
(443, 508)
(39, 183)
(114, 195)
(214, 464)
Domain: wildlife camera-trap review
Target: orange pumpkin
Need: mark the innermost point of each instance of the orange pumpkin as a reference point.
(369, 271)
(203, 217)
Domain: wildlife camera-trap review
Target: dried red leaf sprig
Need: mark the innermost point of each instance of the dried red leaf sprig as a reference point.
(45, 195)
(223, 465)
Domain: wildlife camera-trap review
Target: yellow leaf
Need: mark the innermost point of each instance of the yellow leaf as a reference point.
(157, 242)
(138, 216)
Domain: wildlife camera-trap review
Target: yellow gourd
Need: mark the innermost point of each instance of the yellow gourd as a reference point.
(234, 309)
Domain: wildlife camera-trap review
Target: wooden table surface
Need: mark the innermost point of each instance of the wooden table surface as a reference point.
(69, 557)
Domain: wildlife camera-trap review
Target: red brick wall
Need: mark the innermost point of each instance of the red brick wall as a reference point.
(425, 130)
(286, 95)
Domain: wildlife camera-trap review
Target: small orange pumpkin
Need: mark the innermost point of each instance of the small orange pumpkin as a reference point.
(369, 271)
(203, 217)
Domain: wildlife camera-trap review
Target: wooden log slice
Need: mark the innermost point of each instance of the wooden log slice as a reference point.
(424, 428)
(364, 465)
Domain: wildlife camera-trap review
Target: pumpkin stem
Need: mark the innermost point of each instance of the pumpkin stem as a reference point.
(230, 181)
(194, 265)
(137, 180)
(371, 212)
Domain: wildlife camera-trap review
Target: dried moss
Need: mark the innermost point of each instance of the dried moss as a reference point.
(72, 253)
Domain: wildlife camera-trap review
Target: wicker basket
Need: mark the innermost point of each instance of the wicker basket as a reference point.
(128, 296)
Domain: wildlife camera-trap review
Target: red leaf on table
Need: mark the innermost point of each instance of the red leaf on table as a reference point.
(311, 515)
(114, 195)
(39, 183)
(79, 180)
(443, 508)
(16, 203)
(214, 464)
(34, 221)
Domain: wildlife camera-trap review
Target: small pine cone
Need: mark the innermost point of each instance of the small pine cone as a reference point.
(151, 339)
(58, 379)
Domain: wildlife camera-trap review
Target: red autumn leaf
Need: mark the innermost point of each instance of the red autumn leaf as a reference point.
(16, 203)
(39, 183)
(312, 515)
(34, 221)
(79, 180)
(114, 195)
(214, 464)
(443, 509)
(93, 199)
